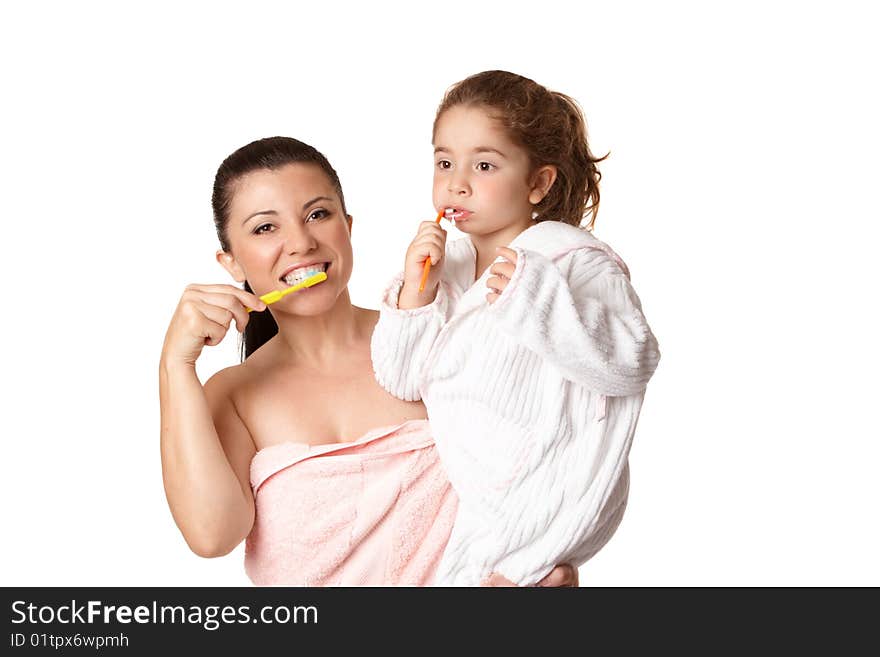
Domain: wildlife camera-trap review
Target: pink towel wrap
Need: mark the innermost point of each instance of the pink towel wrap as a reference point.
(377, 511)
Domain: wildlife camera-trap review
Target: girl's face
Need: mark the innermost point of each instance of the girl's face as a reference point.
(282, 220)
(482, 174)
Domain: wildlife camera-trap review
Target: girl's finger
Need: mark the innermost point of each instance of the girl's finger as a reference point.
(496, 283)
(430, 227)
(430, 243)
(507, 253)
(505, 269)
(434, 252)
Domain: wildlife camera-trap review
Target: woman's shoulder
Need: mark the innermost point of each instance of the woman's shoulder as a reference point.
(367, 319)
(229, 380)
(221, 384)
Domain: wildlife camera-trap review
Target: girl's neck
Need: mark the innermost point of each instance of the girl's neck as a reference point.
(319, 341)
(485, 245)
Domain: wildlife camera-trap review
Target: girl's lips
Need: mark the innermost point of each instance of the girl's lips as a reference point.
(458, 214)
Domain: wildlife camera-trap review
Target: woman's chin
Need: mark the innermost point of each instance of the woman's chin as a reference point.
(309, 302)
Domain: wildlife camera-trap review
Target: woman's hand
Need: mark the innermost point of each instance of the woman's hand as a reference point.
(429, 242)
(503, 272)
(203, 316)
(564, 575)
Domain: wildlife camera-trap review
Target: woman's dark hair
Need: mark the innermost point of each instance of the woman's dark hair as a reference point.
(550, 126)
(270, 153)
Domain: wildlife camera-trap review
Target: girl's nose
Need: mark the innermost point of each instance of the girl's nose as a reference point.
(458, 184)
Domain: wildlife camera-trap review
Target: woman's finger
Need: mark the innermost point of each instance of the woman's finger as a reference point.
(230, 303)
(213, 333)
(497, 580)
(216, 314)
(245, 298)
(563, 575)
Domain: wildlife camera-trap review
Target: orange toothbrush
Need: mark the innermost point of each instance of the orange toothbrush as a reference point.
(428, 261)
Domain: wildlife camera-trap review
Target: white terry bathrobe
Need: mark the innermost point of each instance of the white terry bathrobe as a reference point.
(533, 400)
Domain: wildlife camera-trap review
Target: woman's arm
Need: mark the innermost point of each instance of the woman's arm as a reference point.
(206, 454)
(206, 448)
(564, 575)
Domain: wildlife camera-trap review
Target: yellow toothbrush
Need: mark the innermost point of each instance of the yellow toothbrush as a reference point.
(275, 295)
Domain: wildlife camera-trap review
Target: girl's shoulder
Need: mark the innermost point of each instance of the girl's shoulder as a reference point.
(559, 241)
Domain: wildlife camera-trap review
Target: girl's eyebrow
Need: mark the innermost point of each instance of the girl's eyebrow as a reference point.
(478, 149)
(488, 149)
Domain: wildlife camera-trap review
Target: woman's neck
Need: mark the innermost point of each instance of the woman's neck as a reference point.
(321, 340)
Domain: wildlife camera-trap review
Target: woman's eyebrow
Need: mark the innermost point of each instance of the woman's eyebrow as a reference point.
(256, 214)
(315, 200)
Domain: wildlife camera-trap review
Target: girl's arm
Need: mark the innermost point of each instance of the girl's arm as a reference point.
(402, 340)
(205, 447)
(410, 317)
(582, 314)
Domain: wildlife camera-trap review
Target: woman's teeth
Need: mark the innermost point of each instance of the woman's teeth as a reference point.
(301, 274)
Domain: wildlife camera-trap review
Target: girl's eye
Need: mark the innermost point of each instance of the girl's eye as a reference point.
(444, 164)
(317, 215)
(485, 166)
(262, 228)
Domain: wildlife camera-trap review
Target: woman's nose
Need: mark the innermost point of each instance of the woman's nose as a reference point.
(298, 239)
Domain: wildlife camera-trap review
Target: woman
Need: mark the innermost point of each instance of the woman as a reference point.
(298, 450)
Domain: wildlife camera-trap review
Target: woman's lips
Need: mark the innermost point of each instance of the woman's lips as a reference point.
(296, 275)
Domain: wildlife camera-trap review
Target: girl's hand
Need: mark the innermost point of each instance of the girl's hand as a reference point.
(503, 271)
(564, 575)
(203, 316)
(429, 242)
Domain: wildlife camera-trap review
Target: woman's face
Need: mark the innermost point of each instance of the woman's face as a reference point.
(284, 219)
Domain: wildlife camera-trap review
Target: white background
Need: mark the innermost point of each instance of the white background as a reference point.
(741, 189)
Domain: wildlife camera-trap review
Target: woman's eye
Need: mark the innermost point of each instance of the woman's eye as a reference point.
(262, 228)
(444, 164)
(485, 166)
(316, 215)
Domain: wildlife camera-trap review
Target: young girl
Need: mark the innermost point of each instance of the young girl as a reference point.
(533, 370)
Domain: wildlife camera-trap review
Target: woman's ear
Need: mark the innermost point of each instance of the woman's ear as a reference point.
(542, 181)
(350, 222)
(231, 265)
